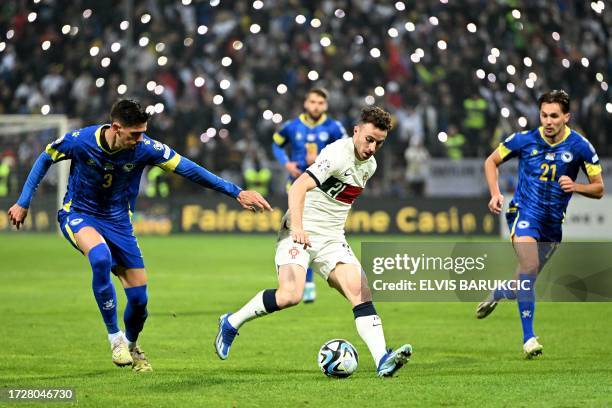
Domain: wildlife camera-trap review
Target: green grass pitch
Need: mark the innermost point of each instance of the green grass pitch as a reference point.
(52, 336)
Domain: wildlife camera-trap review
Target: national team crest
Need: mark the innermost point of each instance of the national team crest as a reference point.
(324, 165)
(158, 146)
(323, 136)
(294, 252)
(128, 167)
(567, 156)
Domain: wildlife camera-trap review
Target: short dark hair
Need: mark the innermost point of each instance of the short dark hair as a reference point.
(556, 96)
(377, 116)
(128, 112)
(318, 91)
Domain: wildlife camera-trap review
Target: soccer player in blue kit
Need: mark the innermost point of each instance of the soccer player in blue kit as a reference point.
(107, 164)
(306, 136)
(550, 158)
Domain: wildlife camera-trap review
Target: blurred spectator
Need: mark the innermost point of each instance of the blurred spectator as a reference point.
(206, 67)
(417, 160)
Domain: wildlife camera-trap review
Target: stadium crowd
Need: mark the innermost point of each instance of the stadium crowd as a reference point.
(222, 76)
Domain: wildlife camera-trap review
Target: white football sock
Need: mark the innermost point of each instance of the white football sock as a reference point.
(371, 331)
(253, 309)
(115, 336)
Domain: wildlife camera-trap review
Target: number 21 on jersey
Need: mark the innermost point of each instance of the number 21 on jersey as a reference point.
(546, 169)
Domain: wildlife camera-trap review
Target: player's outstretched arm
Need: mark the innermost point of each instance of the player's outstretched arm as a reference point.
(19, 211)
(250, 200)
(595, 188)
(297, 196)
(491, 173)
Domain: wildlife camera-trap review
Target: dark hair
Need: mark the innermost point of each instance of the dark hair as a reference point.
(556, 96)
(128, 112)
(376, 116)
(318, 91)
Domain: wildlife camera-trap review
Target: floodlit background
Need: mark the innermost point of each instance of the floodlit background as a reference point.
(221, 77)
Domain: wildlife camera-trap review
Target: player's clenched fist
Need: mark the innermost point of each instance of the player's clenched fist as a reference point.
(17, 214)
(496, 203)
(567, 184)
(252, 200)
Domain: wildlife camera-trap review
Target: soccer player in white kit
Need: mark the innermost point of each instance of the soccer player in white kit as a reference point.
(312, 234)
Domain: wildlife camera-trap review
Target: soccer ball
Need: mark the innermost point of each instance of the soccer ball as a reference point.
(338, 358)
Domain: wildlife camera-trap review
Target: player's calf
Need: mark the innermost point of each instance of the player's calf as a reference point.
(288, 297)
(135, 312)
(103, 289)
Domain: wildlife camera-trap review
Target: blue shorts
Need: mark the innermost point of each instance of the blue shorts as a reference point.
(523, 224)
(118, 236)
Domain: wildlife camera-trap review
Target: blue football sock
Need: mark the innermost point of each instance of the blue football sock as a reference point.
(526, 304)
(103, 289)
(503, 293)
(135, 311)
(309, 275)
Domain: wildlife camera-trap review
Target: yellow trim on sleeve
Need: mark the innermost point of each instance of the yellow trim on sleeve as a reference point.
(66, 206)
(55, 155)
(278, 139)
(171, 164)
(503, 151)
(592, 169)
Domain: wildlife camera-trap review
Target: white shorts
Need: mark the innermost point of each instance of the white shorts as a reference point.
(323, 256)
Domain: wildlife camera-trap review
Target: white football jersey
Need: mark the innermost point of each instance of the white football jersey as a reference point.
(340, 179)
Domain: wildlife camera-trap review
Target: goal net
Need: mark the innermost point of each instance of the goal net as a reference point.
(22, 139)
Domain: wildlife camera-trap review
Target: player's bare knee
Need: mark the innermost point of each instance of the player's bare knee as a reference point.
(529, 268)
(288, 297)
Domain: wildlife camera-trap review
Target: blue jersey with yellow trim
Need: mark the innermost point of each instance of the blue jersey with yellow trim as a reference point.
(104, 183)
(541, 163)
(302, 135)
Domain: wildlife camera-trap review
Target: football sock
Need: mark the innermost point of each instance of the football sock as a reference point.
(369, 327)
(526, 304)
(113, 337)
(503, 293)
(309, 275)
(103, 289)
(262, 304)
(135, 312)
